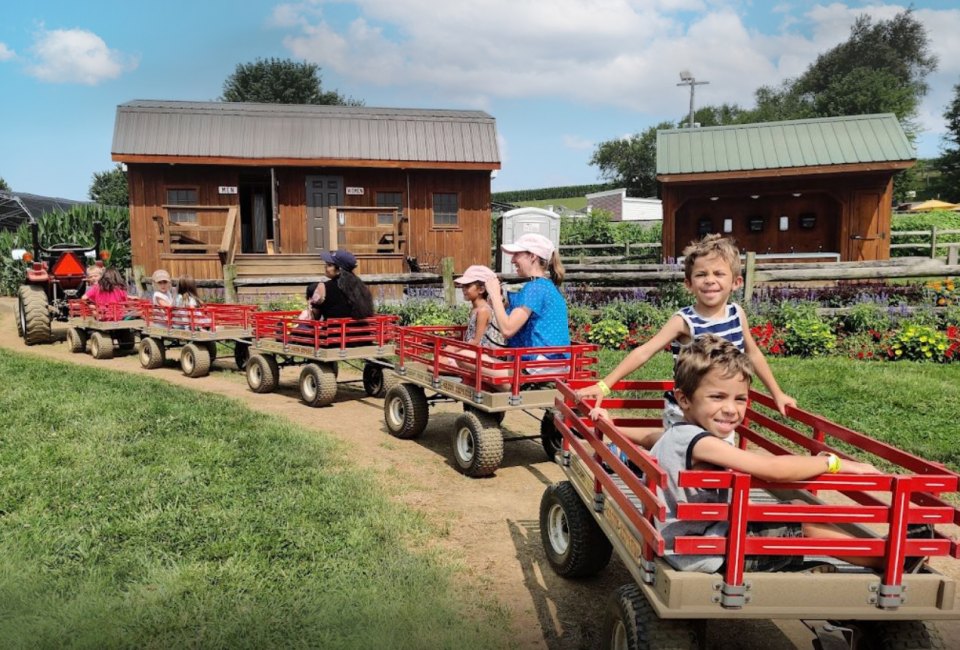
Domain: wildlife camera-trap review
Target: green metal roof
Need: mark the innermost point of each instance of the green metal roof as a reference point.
(776, 145)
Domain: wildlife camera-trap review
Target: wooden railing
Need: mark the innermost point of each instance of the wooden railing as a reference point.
(231, 237)
(209, 235)
(359, 229)
(931, 243)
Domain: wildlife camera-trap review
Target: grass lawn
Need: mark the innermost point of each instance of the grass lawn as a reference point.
(137, 514)
(909, 404)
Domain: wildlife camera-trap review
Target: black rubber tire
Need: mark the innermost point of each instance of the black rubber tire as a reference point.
(630, 623)
(212, 349)
(573, 541)
(18, 315)
(405, 411)
(33, 305)
(125, 341)
(101, 346)
(318, 384)
(76, 340)
(477, 448)
(550, 436)
(489, 419)
(152, 353)
(373, 381)
(263, 373)
(241, 354)
(195, 360)
(902, 635)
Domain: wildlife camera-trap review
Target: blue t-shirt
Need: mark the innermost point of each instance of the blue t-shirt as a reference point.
(547, 325)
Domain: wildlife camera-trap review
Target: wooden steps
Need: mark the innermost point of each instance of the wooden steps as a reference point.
(252, 266)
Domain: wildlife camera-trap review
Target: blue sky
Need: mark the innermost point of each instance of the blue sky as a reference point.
(559, 76)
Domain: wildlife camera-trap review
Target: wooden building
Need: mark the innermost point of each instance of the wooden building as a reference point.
(815, 189)
(263, 188)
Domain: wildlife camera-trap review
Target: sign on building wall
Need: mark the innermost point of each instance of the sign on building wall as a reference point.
(228, 189)
(355, 191)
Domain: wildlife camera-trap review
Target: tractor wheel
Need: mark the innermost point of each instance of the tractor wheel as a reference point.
(318, 384)
(212, 349)
(405, 411)
(489, 419)
(550, 437)
(76, 340)
(374, 379)
(34, 321)
(902, 635)
(477, 448)
(263, 373)
(19, 317)
(241, 353)
(573, 542)
(195, 360)
(101, 346)
(152, 353)
(631, 624)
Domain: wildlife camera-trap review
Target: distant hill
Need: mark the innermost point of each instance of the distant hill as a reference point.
(572, 197)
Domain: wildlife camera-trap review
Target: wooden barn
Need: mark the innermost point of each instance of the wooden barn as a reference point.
(815, 190)
(261, 189)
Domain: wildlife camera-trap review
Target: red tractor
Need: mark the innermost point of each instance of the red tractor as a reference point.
(54, 276)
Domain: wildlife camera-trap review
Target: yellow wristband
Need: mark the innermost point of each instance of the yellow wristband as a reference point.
(603, 387)
(833, 463)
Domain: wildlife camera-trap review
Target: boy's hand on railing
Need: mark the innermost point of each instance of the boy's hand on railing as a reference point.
(591, 392)
(855, 467)
(783, 401)
(596, 413)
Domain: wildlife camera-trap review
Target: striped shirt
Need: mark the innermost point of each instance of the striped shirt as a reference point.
(726, 327)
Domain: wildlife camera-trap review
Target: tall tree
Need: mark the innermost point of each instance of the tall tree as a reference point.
(631, 162)
(3, 185)
(110, 187)
(948, 182)
(280, 81)
(721, 115)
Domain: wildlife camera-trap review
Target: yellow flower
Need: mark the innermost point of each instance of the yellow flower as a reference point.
(899, 352)
(928, 354)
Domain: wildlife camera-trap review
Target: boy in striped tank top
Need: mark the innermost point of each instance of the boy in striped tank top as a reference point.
(711, 269)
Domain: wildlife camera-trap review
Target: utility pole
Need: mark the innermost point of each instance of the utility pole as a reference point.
(686, 79)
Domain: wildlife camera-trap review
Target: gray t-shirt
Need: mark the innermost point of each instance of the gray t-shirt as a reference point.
(674, 453)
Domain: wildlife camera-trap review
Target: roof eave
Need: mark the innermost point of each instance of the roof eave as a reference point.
(303, 162)
(818, 170)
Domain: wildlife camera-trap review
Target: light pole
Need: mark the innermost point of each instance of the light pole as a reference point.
(686, 79)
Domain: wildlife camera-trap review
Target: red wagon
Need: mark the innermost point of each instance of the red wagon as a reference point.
(108, 329)
(282, 339)
(606, 505)
(505, 379)
(197, 331)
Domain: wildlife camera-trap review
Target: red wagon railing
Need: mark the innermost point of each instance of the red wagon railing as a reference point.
(285, 327)
(126, 310)
(909, 494)
(210, 317)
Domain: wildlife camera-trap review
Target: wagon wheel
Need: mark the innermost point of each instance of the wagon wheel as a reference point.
(152, 353)
(34, 315)
(631, 623)
(318, 384)
(477, 448)
(405, 411)
(195, 360)
(572, 540)
(126, 341)
(263, 373)
(76, 340)
(550, 437)
(901, 635)
(241, 353)
(101, 346)
(488, 419)
(373, 379)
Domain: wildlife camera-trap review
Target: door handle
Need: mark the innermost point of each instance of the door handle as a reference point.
(862, 238)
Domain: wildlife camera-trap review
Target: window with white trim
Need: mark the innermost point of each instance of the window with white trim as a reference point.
(182, 196)
(446, 210)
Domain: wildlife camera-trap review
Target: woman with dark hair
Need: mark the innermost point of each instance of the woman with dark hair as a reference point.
(344, 295)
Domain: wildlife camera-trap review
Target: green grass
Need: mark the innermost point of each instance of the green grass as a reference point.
(908, 404)
(137, 514)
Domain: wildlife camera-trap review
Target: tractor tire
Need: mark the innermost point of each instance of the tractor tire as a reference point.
(212, 349)
(241, 353)
(34, 321)
(76, 340)
(550, 437)
(152, 353)
(195, 360)
(101, 346)
(902, 635)
(488, 418)
(318, 384)
(405, 411)
(19, 317)
(263, 373)
(631, 623)
(477, 448)
(574, 544)
(373, 379)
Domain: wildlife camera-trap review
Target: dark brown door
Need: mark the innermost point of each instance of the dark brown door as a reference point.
(322, 192)
(866, 239)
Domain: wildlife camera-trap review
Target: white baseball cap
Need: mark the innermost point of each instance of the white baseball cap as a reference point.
(476, 273)
(533, 243)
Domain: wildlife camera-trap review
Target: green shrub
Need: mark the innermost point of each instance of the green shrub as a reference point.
(865, 316)
(578, 316)
(672, 296)
(788, 311)
(427, 312)
(635, 314)
(943, 219)
(608, 333)
(919, 343)
(806, 334)
(951, 316)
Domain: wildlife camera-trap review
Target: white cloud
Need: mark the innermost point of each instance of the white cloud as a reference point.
(577, 142)
(76, 56)
(6, 53)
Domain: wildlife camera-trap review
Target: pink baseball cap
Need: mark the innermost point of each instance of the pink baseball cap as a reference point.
(533, 243)
(476, 273)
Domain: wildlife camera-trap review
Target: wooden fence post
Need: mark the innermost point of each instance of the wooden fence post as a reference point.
(138, 274)
(933, 242)
(229, 288)
(449, 288)
(749, 276)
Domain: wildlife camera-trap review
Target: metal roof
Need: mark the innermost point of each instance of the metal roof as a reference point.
(245, 130)
(776, 145)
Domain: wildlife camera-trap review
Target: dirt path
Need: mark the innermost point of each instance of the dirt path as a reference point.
(493, 523)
